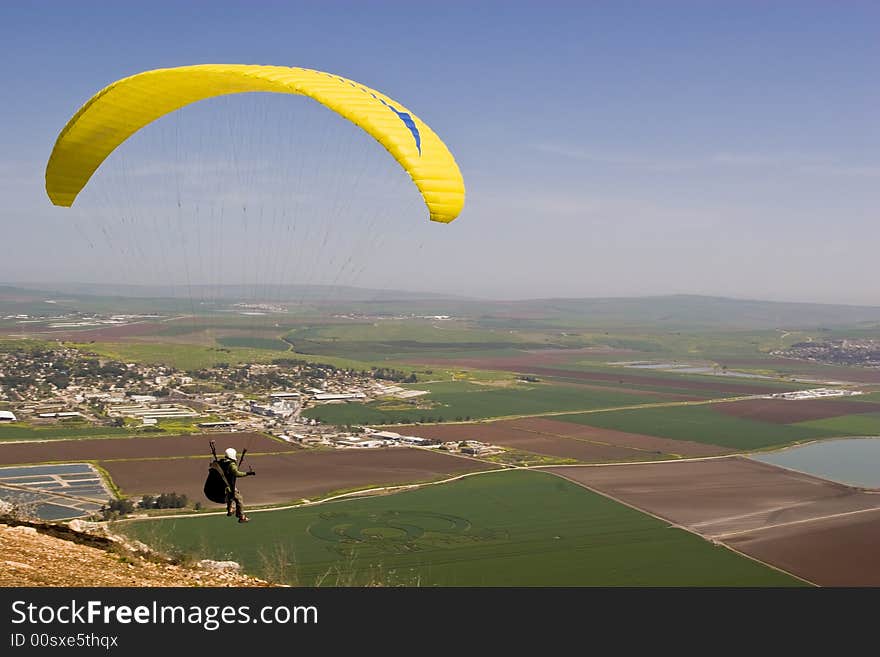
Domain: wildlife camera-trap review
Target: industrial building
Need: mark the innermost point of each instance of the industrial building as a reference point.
(140, 411)
(277, 409)
(217, 425)
(815, 393)
(343, 396)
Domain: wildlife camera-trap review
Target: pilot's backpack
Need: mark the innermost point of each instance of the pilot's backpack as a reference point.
(216, 484)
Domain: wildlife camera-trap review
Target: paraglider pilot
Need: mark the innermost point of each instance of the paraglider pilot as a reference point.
(233, 495)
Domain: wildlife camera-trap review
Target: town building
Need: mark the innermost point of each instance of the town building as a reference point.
(343, 396)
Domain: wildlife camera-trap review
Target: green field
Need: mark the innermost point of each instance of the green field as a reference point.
(413, 331)
(867, 424)
(407, 332)
(248, 342)
(426, 340)
(870, 397)
(462, 399)
(190, 357)
(711, 387)
(670, 381)
(185, 425)
(500, 529)
(691, 339)
(182, 356)
(431, 341)
(700, 424)
(20, 431)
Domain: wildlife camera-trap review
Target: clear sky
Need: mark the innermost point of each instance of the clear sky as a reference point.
(608, 148)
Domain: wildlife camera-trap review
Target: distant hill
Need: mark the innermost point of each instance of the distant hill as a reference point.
(703, 311)
(225, 292)
(672, 312)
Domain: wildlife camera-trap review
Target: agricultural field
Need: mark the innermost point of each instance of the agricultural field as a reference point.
(133, 330)
(567, 440)
(760, 509)
(789, 411)
(398, 340)
(722, 496)
(497, 529)
(410, 332)
(207, 351)
(805, 548)
(596, 374)
(137, 449)
(809, 369)
(867, 424)
(526, 330)
(460, 400)
(253, 342)
(291, 476)
(20, 431)
(701, 424)
(182, 356)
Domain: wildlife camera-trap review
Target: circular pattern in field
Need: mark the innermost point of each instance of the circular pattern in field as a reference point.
(396, 531)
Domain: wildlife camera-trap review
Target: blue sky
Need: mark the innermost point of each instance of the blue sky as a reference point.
(609, 148)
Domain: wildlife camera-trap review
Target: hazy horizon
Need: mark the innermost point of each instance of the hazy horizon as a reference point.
(608, 151)
(180, 290)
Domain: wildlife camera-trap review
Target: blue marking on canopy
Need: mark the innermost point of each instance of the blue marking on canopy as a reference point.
(409, 123)
(403, 116)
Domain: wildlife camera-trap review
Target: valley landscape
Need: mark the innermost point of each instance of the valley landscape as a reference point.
(450, 441)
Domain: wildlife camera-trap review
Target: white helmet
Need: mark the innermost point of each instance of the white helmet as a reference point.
(230, 453)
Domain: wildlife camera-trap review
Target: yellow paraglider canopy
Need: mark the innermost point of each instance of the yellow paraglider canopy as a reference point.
(124, 107)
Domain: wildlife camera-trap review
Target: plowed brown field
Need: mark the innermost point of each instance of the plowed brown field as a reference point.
(108, 333)
(786, 411)
(291, 477)
(135, 448)
(819, 530)
(839, 551)
(564, 439)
